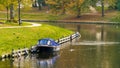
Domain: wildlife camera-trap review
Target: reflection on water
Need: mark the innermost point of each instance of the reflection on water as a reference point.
(98, 47)
(47, 60)
(95, 43)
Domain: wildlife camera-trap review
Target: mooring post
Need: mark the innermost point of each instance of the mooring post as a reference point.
(71, 38)
(19, 49)
(77, 33)
(12, 53)
(18, 53)
(58, 41)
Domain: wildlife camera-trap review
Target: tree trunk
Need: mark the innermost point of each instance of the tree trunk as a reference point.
(63, 11)
(102, 4)
(11, 12)
(40, 6)
(7, 13)
(79, 13)
(19, 18)
(63, 8)
(34, 3)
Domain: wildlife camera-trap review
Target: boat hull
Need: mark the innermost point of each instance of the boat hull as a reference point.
(47, 49)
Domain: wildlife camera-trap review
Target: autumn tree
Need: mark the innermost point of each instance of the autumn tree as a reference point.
(58, 5)
(63, 6)
(77, 6)
(6, 4)
(34, 3)
(53, 5)
(109, 2)
(40, 4)
(12, 5)
(9, 5)
(92, 2)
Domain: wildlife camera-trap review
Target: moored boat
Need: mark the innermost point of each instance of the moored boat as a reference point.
(46, 45)
(50, 45)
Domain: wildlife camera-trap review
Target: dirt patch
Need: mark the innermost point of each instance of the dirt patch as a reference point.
(87, 17)
(93, 16)
(1, 23)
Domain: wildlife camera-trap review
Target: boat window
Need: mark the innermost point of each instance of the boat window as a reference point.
(43, 42)
(47, 42)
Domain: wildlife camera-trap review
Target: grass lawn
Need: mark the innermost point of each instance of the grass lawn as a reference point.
(42, 16)
(35, 15)
(15, 38)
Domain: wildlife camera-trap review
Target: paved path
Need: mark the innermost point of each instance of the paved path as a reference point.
(33, 25)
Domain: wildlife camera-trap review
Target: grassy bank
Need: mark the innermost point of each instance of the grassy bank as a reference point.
(38, 15)
(26, 37)
(115, 18)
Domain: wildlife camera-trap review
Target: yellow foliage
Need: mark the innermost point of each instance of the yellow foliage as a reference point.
(81, 1)
(2, 7)
(50, 2)
(76, 2)
(71, 4)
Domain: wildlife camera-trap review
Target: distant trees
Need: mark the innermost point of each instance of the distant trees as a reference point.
(40, 4)
(77, 6)
(110, 3)
(118, 5)
(34, 3)
(82, 5)
(11, 5)
(58, 6)
(63, 6)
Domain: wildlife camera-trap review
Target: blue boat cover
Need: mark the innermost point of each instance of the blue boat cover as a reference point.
(47, 41)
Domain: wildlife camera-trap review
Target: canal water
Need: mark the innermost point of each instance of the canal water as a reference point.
(98, 47)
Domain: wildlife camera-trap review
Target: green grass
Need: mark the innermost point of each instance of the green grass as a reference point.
(27, 37)
(116, 18)
(2, 15)
(42, 15)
